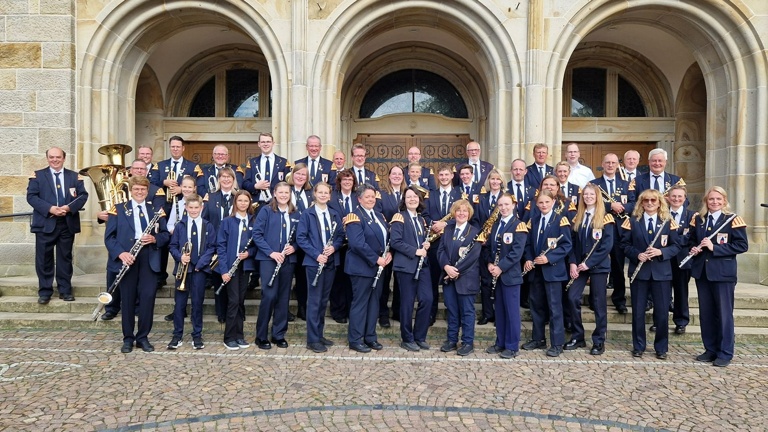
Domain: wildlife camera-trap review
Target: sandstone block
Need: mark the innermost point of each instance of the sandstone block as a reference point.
(20, 55)
(48, 120)
(56, 7)
(63, 138)
(62, 80)
(17, 101)
(7, 79)
(11, 166)
(11, 7)
(11, 119)
(55, 101)
(42, 28)
(18, 140)
(58, 55)
(13, 185)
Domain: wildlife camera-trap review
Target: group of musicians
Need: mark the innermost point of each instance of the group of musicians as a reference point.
(341, 234)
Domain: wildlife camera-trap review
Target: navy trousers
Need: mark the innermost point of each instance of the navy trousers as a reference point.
(597, 289)
(364, 310)
(546, 299)
(410, 290)
(680, 280)
(275, 300)
(461, 314)
(235, 314)
(62, 240)
(317, 300)
(140, 281)
(195, 288)
(716, 317)
(507, 305)
(660, 292)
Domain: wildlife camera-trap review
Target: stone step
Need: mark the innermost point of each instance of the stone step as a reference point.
(213, 331)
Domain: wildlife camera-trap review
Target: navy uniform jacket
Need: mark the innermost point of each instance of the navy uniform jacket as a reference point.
(529, 193)
(634, 240)
(208, 173)
(207, 245)
(389, 205)
(188, 168)
(720, 264)
(563, 208)
(152, 173)
(574, 192)
(308, 197)
(337, 203)
(645, 181)
(623, 192)
(365, 248)
(280, 168)
(120, 233)
(309, 236)
(226, 244)
(557, 225)
(332, 176)
(426, 180)
(369, 177)
(485, 168)
(155, 198)
(533, 176)
(468, 282)
(322, 170)
(510, 245)
(474, 192)
(41, 195)
(687, 221)
(266, 233)
(214, 202)
(434, 202)
(483, 209)
(405, 243)
(600, 260)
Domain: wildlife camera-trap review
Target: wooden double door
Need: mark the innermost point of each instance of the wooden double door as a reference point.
(239, 152)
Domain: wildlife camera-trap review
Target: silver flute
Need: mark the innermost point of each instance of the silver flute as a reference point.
(422, 259)
(640, 264)
(544, 253)
(328, 242)
(381, 268)
(233, 269)
(711, 236)
(594, 246)
(279, 265)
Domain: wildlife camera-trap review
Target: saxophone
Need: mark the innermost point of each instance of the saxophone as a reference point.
(488, 225)
(436, 235)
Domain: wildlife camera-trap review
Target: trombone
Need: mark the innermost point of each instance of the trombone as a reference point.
(181, 272)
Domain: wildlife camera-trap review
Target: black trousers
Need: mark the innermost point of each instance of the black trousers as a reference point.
(235, 316)
(60, 239)
(140, 281)
(341, 293)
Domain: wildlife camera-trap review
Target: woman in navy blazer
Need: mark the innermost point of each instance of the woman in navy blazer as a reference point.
(458, 256)
(654, 246)
(546, 278)
(392, 192)
(410, 246)
(501, 256)
(714, 268)
(344, 201)
(232, 243)
(494, 185)
(301, 197)
(275, 244)
(591, 234)
(313, 235)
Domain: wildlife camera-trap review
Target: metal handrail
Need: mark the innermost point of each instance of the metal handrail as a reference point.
(15, 215)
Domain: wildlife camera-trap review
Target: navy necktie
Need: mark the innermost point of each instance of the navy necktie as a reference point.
(59, 191)
(283, 231)
(142, 218)
(227, 205)
(267, 174)
(674, 216)
(444, 210)
(519, 194)
(243, 236)
(499, 232)
(397, 197)
(656, 183)
(347, 205)
(299, 202)
(493, 201)
(195, 244)
(711, 223)
(326, 228)
(541, 172)
(585, 227)
(176, 167)
(477, 173)
(360, 177)
(542, 226)
(610, 187)
(650, 231)
(466, 188)
(419, 233)
(313, 172)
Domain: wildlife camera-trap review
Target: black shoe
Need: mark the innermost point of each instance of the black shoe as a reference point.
(198, 343)
(494, 349)
(43, 300)
(574, 344)
(622, 309)
(301, 314)
(221, 320)
(384, 322)
(241, 343)
(175, 343)
(597, 349)
(448, 346)
(291, 317)
(263, 344)
(168, 317)
(465, 350)
(375, 345)
(721, 362)
(554, 351)
(706, 357)
(432, 321)
(652, 328)
(637, 353)
(317, 347)
(67, 297)
(524, 304)
(231, 345)
(483, 321)
(679, 329)
(361, 348)
(127, 347)
(661, 355)
(340, 320)
(534, 344)
(145, 346)
(409, 346)
(326, 342)
(508, 354)
(648, 306)
(108, 316)
(422, 345)
(281, 343)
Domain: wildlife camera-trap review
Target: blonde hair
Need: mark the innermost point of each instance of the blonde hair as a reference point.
(598, 219)
(462, 202)
(663, 211)
(726, 208)
(488, 183)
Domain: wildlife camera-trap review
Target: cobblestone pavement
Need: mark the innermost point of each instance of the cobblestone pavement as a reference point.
(79, 380)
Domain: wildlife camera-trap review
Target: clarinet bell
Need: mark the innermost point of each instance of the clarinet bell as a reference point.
(104, 298)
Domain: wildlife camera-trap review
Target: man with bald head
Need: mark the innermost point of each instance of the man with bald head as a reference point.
(480, 168)
(208, 182)
(56, 195)
(580, 174)
(339, 165)
(427, 177)
(629, 171)
(319, 168)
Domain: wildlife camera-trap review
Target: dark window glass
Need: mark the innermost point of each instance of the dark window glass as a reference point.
(413, 90)
(204, 103)
(588, 92)
(242, 93)
(630, 103)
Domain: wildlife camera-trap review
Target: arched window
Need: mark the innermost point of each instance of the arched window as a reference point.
(590, 90)
(413, 91)
(242, 95)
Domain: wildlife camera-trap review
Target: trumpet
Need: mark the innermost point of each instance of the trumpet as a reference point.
(328, 242)
(640, 264)
(175, 200)
(279, 265)
(181, 272)
(105, 297)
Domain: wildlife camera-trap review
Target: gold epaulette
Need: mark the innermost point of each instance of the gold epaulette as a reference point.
(579, 191)
(564, 222)
(738, 222)
(351, 218)
(112, 211)
(154, 167)
(482, 190)
(536, 194)
(80, 178)
(454, 168)
(248, 164)
(240, 170)
(528, 206)
(198, 170)
(632, 185)
(673, 225)
(33, 175)
(571, 206)
(426, 195)
(528, 225)
(522, 227)
(627, 225)
(205, 198)
(160, 192)
(397, 218)
(378, 195)
(287, 164)
(431, 171)
(608, 219)
(376, 177)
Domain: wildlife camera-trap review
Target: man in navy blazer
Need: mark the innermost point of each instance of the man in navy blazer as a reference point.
(480, 168)
(571, 191)
(319, 168)
(656, 178)
(362, 174)
(427, 177)
(177, 164)
(523, 191)
(539, 169)
(265, 171)
(56, 195)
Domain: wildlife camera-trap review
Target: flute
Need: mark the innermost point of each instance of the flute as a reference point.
(328, 242)
(381, 268)
(711, 236)
(287, 243)
(495, 262)
(544, 253)
(640, 264)
(421, 260)
(594, 246)
(233, 269)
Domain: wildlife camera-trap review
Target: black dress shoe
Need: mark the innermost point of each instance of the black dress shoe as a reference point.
(168, 317)
(448, 346)
(508, 354)
(622, 309)
(43, 300)
(291, 317)
(597, 349)
(108, 316)
(375, 345)
(67, 297)
(384, 322)
(652, 328)
(534, 344)
(221, 320)
(494, 349)
(263, 344)
(127, 347)
(554, 351)
(679, 329)
(340, 320)
(361, 348)
(483, 321)
(637, 353)
(465, 350)
(317, 347)
(661, 355)
(326, 342)
(145, 346)
(721, 362)
(281, 343)
(574, 344)
(423, 345)
(706, 357)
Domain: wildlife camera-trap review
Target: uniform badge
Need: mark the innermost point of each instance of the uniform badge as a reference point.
(722, 238)
(167, 169)
(574, 199)
(685, 231)
(597, 234)
(325, 177)
(623, 199)
(73, 192)
(424, 181)
(463, 250)
(476, 199)
(552, 242)
(280, 176)
(664, 239)
(507, 238)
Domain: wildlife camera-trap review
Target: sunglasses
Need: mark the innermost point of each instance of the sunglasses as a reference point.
(650, 200)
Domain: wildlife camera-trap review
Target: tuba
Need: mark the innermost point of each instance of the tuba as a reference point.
(108, 179)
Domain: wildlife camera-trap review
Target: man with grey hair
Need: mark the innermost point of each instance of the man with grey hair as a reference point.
(208, 182)
(657, 178)
(318, 167)
(580, 174)
(629, 171)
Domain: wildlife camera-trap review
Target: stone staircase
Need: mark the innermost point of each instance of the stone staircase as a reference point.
(19, 310)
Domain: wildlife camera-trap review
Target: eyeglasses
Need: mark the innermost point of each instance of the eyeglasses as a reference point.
(650, 200)
(221, 154)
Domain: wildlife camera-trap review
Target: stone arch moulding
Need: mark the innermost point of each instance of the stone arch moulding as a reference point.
(122, 43)
(351, 22)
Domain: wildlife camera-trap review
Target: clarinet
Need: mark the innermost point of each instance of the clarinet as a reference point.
(462, 257)
(328, 242)
(594, 246)
(711, 236)
(233, 269)
(640, 264)
(279, 265)
(495, 279)
(381, 268)
(421, 260)
(543, 253)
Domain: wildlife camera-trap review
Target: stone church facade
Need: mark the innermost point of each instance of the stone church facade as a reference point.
(610, 75)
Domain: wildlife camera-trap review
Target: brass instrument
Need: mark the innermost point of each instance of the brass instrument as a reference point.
(609, 199)
(640, 264)
(680, 182)
(175, 201)
(181, 272)
(115, 152)
(434, 236)
(109, 179)
(105, 297)
(488, 225)
(213, 184)
(544, 253)
(424, 191)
